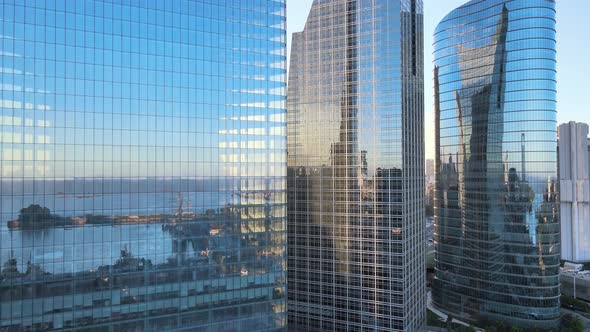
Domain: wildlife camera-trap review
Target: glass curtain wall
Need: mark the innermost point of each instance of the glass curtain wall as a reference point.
(355, 168)
(143, 165)
(496, 205)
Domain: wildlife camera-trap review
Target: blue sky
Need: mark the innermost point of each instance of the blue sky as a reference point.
(573, 51)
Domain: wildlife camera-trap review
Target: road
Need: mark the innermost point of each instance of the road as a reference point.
(429, 231)
(444, 316)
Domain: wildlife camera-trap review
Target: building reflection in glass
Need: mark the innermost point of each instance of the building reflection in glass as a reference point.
(143, 176)
(355, 168)
(496, 222)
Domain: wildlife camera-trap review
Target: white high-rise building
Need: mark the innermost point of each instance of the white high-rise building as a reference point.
(574, 171)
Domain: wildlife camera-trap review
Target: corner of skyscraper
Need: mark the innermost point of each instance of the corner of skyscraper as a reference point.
(497, 230)
(355, 175)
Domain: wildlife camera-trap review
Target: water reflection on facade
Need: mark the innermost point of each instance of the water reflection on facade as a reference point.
(143, 170)
(355, 168)
(496, 220)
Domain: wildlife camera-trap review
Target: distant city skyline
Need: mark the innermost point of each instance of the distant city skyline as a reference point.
(572, 65)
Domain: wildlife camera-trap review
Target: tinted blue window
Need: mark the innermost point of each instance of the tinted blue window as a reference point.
(142, 163)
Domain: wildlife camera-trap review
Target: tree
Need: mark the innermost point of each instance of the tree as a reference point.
(577, 325)
(571, 324)
(35, 216)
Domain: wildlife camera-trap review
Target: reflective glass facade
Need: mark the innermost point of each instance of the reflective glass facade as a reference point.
(496, 204)
(355, 187)
(143, 165)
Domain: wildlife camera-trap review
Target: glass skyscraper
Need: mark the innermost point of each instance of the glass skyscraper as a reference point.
(355, 114)
(496, 205)
(143, 165)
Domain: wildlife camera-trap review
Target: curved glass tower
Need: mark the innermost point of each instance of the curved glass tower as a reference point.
(496, 215)
(355, 175)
